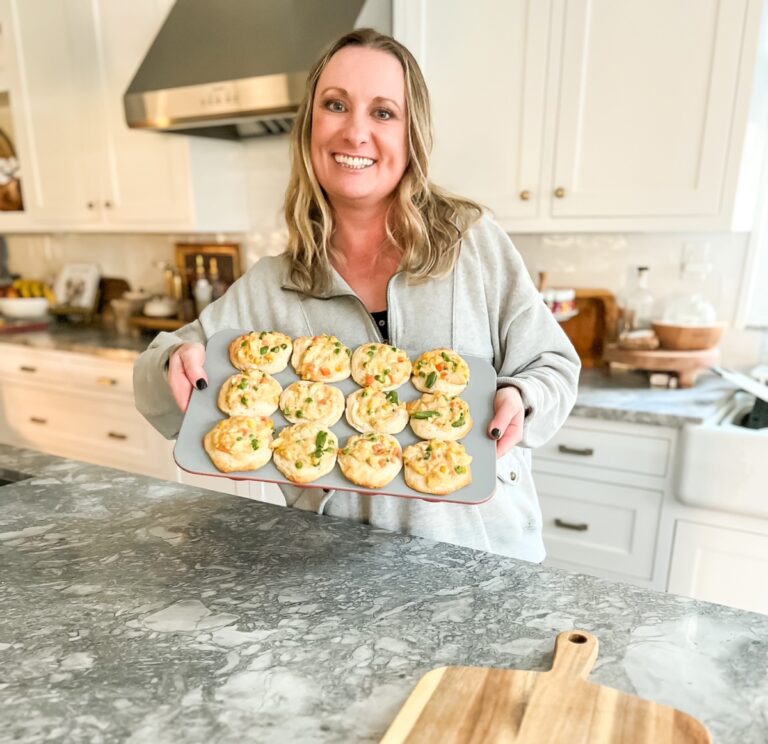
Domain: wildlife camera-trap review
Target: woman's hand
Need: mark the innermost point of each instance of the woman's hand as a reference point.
(507, 423)
(185, 369)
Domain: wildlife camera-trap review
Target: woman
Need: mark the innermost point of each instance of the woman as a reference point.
(374, 246)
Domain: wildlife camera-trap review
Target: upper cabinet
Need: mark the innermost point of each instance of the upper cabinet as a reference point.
(68, 65)
(591, 114)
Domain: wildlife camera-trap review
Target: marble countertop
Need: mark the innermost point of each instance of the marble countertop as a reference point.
(623, 396)
(62, 336)
(142, 610)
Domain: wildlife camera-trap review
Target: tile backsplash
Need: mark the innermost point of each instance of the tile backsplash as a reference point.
(585, 260)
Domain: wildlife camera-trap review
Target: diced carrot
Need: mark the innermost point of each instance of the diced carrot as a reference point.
(325, 371)
(382, 462)
(439, 367)
(369, 379)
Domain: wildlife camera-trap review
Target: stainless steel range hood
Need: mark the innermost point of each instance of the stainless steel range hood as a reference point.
(237, 68)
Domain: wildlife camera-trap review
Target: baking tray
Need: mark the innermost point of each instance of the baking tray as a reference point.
(203, 414)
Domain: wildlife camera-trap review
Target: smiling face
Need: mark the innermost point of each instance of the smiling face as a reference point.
(359, 127)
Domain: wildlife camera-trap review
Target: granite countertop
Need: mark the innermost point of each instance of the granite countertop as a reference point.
(625, 396)
(62, 336)
(622, 396)
(142, 610)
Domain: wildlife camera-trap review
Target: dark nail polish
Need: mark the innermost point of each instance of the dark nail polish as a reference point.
(201, 384)
(495, 433)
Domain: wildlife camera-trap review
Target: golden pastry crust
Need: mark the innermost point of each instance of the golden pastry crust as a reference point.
(440, 371)
(371, 460)
(321, 358)
(253, 393)
(380, 366)
(305, 452)
(268, 351)
(370, 410)
(436, 466)
(439, 416)
(240, 443)
(314, 402)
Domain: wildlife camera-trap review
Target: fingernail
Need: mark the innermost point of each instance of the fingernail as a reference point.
(201, 384)
(495, 433)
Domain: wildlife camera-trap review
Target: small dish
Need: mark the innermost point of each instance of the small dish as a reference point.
(24, 307)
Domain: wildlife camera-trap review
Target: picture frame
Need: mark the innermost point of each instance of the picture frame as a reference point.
(227, 257)
(77, 287)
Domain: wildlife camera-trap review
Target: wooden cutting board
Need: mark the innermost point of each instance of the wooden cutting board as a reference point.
(474, 705)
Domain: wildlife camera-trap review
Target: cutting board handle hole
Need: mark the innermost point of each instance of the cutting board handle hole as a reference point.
(577, 638)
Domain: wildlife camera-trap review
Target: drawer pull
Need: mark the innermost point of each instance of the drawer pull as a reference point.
(38, 420)
(566, 450)
(581, 527)
(115, 435)
(108, 381)
(25, 368)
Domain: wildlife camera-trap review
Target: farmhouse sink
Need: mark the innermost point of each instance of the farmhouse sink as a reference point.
(723, 465)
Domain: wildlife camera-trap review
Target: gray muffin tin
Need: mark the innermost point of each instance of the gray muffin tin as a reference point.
(203, 414)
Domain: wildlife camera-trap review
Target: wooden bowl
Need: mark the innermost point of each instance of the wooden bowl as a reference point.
(688, 338)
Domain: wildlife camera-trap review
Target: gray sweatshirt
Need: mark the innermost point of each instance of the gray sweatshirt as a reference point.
(487, 307)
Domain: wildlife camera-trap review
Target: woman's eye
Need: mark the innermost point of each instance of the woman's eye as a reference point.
(334, 105)
(383, 114)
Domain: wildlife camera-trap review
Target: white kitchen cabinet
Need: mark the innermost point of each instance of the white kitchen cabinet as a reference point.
(590, 114)
(79, 406)
(485, 63)
(69, 64)
(609, 528)
(720, 565)
(603, 487)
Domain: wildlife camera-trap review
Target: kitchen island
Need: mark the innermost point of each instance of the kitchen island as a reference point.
(143, 610)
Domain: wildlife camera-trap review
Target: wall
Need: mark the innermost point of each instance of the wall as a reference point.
(595, 260)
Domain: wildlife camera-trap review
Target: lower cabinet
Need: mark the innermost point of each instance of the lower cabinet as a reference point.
(605, 528)
(719, 564)
(79, 406)
(267, 492)
(602, 487)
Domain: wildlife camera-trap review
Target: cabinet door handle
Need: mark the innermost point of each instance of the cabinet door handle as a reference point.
(560, 192)
(25, 368)
(580, 527)
(566, 450)
(108, 381)
(38, 420)
(116, 435)
(108, 204)
(525, 195)
(91, 205)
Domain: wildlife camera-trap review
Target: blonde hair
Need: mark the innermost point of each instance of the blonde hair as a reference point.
(426, 223)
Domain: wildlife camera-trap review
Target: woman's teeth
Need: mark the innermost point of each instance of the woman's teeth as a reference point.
(349, 162)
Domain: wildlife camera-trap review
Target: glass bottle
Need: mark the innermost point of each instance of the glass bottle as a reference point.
(203, 291)
(639, 305)
(218, 285)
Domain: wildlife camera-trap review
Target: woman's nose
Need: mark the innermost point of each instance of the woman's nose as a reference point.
(356, 131)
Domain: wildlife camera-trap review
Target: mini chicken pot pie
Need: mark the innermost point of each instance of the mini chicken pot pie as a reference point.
(314, 402)
(320, 358)
(380, 366)
(240, 443)
(440, 371)
(439, 416)
(436, 466)
(371, 410)
(268, 351)
(252, 393)
(371, 460)
(305, 452)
